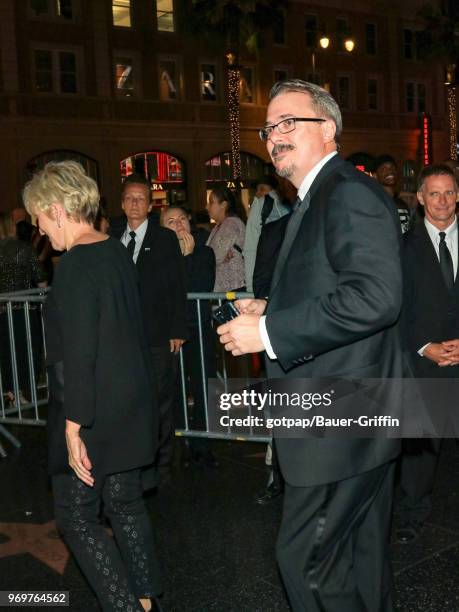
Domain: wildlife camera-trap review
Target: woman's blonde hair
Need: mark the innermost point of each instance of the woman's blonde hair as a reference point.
(7, 225)
(66, 183)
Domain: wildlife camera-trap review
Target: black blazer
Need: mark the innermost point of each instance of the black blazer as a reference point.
(333, 307)
(160, 268)
(430, 311)
(99, 363)
(200, 277)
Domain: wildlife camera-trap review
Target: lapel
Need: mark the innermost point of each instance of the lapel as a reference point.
(424, 244)
(296, 218)
(146, 244)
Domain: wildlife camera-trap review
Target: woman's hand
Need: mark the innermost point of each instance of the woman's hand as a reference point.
(78, 456)
(186, 242)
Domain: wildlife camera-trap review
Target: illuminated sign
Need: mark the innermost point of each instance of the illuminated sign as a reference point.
(157, 187)
(240, 184)
(426, 140)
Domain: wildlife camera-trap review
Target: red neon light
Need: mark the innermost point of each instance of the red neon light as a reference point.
(361, 168)
(426, 141)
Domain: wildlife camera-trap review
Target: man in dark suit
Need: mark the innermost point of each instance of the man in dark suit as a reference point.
(332, 310)
(156, 253)
(430, 325)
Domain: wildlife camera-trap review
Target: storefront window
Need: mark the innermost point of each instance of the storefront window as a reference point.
(219, 171)
(165, 173)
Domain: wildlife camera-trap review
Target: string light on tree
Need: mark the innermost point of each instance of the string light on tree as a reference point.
(234, 77)
(452, 122)
(450, 82)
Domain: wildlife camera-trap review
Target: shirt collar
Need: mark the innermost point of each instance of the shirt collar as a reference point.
(311, 175)
(433, 231)
(140, 231)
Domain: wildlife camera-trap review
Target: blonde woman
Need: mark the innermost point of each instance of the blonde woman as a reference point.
(101, 422)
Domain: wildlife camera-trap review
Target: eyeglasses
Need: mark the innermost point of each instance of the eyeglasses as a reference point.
(285, 126)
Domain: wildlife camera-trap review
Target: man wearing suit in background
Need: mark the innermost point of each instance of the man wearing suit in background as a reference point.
(156, 253)
(332, 310)
(430, 325)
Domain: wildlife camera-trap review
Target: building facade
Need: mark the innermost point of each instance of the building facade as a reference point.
(121, 86)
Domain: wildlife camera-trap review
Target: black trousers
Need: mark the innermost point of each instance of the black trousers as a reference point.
(333, 544)
(165, 368)
(120, 573)
(417, 477)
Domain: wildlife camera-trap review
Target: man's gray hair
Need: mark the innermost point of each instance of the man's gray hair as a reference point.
(323, 103)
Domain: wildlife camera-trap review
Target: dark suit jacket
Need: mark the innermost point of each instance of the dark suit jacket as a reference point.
(333, 307)
(200, 277)
(269, 244)
(430, 311)
(160, 268)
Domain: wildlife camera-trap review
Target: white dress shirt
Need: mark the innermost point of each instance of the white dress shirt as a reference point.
(302, 191)
(139, 236)
(451, 243)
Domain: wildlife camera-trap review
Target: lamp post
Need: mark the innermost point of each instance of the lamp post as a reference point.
(324, 43)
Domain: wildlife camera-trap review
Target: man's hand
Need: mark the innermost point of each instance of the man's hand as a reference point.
(186, 242)
(78, 456)
(437, 353)
(175, 344)
(241, 335)
(251, 306)
(451, 353)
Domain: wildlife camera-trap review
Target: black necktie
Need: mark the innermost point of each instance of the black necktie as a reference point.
(267, 209)
(446, 262)
(131, 244)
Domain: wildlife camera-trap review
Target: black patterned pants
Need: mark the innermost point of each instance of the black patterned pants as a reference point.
(119, 572)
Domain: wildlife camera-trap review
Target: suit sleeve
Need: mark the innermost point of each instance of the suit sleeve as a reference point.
(252, 236)
(362, 247)
(409, 298)
(177, 286)
(78, 304)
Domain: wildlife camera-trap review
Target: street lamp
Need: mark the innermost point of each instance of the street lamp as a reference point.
(349, 45)
(324, 43)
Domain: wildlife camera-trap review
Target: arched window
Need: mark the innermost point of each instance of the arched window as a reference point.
(165, 172)
(39, 161)
(219, 170)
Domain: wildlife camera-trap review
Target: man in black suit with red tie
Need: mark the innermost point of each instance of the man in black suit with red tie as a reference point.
(430, 325)
(159, 262)
(332, 310)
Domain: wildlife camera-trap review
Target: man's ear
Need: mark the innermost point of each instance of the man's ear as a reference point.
(328, 131)
(420, 198)
(150, 207)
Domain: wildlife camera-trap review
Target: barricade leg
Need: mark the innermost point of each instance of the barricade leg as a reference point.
(9, 436)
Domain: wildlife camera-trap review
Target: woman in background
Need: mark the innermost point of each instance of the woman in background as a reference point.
(101, 425)
(227, 240)
(19, 270)
(200, 278)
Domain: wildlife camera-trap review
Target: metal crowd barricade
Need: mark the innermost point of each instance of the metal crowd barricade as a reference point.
(215, 299)
(20, 342)
(22, 347)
